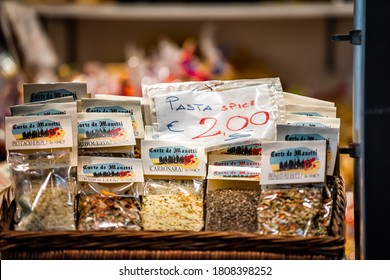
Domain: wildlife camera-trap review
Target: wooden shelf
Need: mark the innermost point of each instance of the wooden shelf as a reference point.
(197, 11)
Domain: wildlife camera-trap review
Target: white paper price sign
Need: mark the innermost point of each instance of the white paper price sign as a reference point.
(217, 118)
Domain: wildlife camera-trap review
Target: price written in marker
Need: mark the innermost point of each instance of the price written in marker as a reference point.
(214, 118)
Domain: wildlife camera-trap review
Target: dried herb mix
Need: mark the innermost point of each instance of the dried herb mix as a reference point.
(170, 205)
(46, 209)
(232, 210)
(44, 189)
(99, 212)
(296, 211)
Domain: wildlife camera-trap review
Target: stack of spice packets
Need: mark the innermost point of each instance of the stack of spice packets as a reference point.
(42, 153)
(233, 192)
(109, 177)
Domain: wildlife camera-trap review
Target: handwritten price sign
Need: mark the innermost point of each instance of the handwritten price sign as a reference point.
(217, 118)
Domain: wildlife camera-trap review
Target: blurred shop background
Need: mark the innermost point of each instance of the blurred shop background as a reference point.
(117, 45)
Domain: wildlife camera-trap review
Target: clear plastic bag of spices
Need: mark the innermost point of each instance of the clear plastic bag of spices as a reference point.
(173, 205)
(232, 205)
(45, 184)
(109, 206)
(296, 210)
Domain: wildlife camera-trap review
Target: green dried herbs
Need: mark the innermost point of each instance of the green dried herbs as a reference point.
(99, 212)
(232, 210)
(295, 211)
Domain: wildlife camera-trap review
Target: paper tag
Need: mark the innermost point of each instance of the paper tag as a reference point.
(104, 130)
(300, 120)
(45, 109)
(217, 119)
(170, 158)
(289, 162)
(34, 92)
(233, 160)
(310, 110)
(233, 173)
(132, 107)
(298, 133)
(38, 132)
(109, 170)
(247, 150)
(292, 98)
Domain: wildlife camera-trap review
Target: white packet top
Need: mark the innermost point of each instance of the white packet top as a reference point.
(310, 110)
(129, 106)
(34, 92)
(233, 113)
(300, 120)
(291, 98)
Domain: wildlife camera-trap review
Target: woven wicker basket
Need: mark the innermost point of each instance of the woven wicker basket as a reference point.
(176, 245)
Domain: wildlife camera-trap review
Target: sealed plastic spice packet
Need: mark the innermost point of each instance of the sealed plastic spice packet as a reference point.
(217, 114)
(173, 205)
(294, 197)
(109, 193)
(174, 183)
(232, 198)
(300, 210)
(39, 154)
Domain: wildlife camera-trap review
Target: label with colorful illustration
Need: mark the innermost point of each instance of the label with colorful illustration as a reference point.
(109, 170)
(104, 130)
(132, 107)
(289, 162)
(302, 133)
(234, 160)
(233, 173)
(173, 158)
(49, 109)
(36, 92)
(245, 150)
(38, 132)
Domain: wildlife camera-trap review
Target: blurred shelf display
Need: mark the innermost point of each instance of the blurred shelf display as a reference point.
(198, 11)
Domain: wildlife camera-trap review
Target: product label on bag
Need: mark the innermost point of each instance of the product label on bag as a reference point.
(109, 170)
(302, 133)
(36, 92)
(234, 160)
(169, 158)
(38, 132)
(104, 130)
(289, 162)
(233, 173)
(132, 107)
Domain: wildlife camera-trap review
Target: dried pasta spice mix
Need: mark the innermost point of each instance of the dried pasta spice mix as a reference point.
(99, 212)
(290, 211)
(173, 205)
(232, 210)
